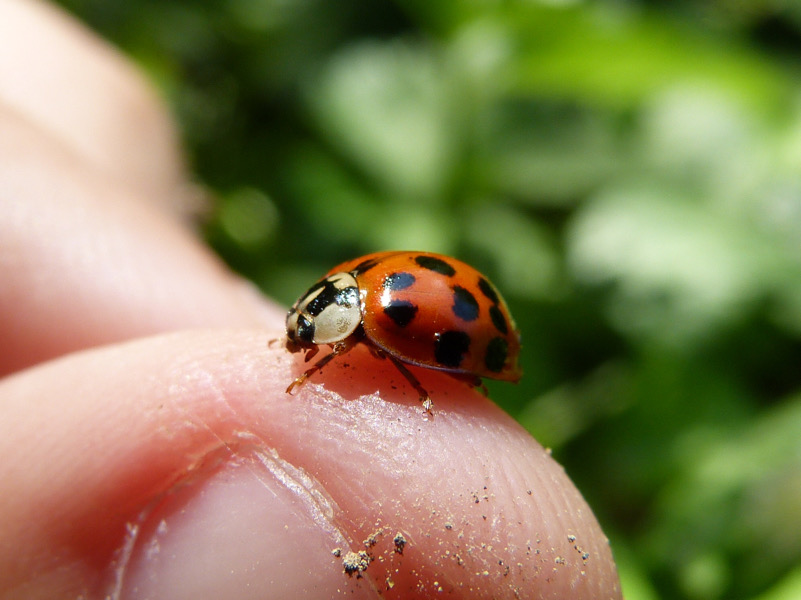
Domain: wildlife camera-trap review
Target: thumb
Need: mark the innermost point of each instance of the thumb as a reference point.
(178, 467)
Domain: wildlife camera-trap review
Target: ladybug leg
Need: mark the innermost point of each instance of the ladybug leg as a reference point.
(479, 383)
(474, 381)
(428, 404)
(338, 349)
(311, 353)
(377, 352)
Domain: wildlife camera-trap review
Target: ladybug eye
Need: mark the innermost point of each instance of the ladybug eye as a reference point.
(305, 329)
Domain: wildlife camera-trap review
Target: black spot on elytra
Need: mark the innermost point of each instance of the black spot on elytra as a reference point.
(329, 295)
(305, 329)
(497, 351)
(398, 281)
(365, 266)
(489, 291)
(450, 348)
(496, 314)
(435, 264)
(401, 312)
(465, 305)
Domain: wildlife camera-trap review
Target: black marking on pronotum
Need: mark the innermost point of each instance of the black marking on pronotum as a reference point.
(401, 312)
(329, 295)
(312, 290)
(435, 264)
(489, 291)
(305, 329)
(398, 281)
(324, 298)
(496, 314)
(347, 297)
(497, 351)
(465, 305)
(450, 348)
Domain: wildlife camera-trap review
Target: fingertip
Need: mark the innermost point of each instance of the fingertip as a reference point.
(197, 421)
(484, 506)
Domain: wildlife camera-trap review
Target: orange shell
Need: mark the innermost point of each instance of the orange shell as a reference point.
(437, 312)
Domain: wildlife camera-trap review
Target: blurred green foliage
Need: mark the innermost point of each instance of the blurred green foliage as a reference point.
(629, 174)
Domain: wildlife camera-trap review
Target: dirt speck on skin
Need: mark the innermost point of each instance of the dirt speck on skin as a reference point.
(584, 555)
(355, 563)
(505, 567)
(400, 542)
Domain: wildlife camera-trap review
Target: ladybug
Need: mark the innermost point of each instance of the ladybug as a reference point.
(415, 308)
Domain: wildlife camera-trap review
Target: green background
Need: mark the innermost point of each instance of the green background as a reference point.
(627, 172)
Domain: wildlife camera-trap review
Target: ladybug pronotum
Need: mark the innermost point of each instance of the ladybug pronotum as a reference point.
(415, 308)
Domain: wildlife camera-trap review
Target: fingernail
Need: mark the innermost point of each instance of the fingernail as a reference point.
(254, 527)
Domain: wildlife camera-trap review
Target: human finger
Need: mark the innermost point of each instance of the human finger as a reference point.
(79, 90)
(85, 262)
(177, 466)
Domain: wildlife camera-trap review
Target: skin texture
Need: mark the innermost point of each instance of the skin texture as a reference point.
(104, 112)
(151, 450)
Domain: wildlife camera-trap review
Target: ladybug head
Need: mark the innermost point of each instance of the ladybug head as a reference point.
(326, 314)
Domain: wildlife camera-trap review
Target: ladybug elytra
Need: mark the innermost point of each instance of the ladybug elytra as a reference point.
(415, 308)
